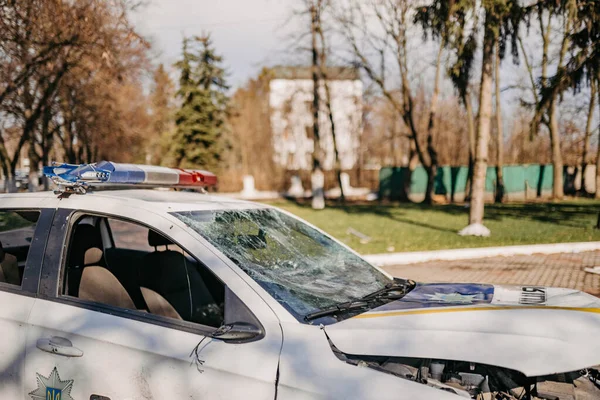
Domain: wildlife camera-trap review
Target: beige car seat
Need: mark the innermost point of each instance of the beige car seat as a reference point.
(100, 285)
(158, 305)
(9, 268)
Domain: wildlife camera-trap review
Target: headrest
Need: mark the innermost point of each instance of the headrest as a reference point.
(85, 237)
(93, 256)
(1, 253)
(156, 239)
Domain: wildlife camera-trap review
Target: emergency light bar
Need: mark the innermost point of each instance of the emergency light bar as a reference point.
(78, 178)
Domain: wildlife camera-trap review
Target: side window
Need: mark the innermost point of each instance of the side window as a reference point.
(128, 265)
(127, 235)
(16, 232)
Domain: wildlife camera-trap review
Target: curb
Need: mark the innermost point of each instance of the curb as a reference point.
(414, 257)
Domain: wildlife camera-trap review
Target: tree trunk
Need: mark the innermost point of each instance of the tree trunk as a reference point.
(4, 163)
(47, 141)
(431, 169)
(558, 184)
(557, 162)
(499, 195)
(471, 132)
(597, 195)
(324, 77)
(338, 165)
(318, 193)
(431, 174)
(588, 135)
(483, 126)
(315, 78)
(34, 160)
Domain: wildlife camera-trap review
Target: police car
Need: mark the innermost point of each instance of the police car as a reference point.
(156, 294)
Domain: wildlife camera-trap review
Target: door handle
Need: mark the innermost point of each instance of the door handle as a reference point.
(60, 346)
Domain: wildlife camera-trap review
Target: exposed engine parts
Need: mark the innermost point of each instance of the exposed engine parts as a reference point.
(484, 382)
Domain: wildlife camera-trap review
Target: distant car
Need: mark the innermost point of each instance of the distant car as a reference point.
(154, 294)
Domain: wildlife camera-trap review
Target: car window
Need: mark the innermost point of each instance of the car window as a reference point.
(300, 267)
(142, 270)
(16, 233)
(127, 235)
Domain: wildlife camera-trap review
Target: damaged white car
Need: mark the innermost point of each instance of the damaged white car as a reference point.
(141, 294)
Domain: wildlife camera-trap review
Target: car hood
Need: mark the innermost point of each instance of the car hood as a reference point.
(534, 330)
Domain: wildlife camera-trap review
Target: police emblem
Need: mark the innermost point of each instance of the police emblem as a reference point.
(52, 388)
(452, 298)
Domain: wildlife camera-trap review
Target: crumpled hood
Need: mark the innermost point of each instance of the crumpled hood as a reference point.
(534, 330)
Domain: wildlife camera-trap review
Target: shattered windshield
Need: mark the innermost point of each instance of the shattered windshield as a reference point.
(300, 267)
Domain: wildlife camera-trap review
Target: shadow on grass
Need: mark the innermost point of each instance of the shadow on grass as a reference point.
(572, 215)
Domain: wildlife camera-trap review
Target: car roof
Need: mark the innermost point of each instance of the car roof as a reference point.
(156, 199)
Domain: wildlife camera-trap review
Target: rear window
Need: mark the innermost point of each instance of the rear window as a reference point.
(16, 233)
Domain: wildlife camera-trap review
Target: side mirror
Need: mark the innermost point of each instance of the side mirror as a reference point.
(237, 332)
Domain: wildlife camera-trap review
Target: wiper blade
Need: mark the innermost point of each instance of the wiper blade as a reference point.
(392, 291)
(342, 307)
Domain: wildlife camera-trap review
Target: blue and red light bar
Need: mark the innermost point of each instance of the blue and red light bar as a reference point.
(106, 172)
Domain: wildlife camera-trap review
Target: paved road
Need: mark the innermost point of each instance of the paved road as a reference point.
(560, 270)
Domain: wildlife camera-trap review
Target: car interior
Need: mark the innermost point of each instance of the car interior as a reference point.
(9, 268)
(161, 280)
(16, 233)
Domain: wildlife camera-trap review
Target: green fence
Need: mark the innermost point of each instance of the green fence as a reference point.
(453, 180)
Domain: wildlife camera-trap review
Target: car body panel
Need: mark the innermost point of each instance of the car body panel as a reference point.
(14, 313)
(129, 354)
(309, 369)
(128, 358)
(558, 334)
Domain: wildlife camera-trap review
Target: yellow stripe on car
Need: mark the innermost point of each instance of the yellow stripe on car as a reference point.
(467, 309)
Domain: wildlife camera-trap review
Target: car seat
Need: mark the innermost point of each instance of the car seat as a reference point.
(100, 285)
(85, 236)
(158, 305)
(9, 268)
(175, 278)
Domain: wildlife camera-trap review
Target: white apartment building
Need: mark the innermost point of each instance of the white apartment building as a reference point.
(291, 97)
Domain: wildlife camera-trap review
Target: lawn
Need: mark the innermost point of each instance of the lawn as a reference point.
(414, 227)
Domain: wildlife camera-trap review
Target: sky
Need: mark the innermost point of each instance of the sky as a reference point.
(252, 34)
(249, 34)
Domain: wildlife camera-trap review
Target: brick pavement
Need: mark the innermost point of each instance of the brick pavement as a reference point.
(559, 270)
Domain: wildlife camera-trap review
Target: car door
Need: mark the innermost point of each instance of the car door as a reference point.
(88, 349)
(22, 237)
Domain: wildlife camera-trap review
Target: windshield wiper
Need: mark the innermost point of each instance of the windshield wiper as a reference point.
(392, 291)
(341, 307)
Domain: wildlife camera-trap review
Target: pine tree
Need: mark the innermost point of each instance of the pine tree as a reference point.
(200, 121)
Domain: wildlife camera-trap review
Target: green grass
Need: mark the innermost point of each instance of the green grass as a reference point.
(11, 220)
(414, 227)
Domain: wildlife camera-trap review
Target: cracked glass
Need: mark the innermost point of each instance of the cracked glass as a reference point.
(302, 268)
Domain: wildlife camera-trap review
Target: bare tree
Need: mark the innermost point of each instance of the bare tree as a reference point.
(252, 149)
(597, 195)
(483, 124)
(546, 105)
(588, 134)
(394, 20)
(51, 52)
(325, 79)
(499, 195)
(315, 8)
